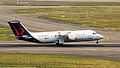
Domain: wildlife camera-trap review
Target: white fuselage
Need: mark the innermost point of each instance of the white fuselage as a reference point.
(67, 36)
(58, 37)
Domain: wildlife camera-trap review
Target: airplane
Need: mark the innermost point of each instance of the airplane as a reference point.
(58, 37)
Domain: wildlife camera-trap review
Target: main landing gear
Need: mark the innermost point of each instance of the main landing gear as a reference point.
(58, 43)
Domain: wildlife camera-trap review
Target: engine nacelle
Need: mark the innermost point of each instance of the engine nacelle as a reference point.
(71, 37)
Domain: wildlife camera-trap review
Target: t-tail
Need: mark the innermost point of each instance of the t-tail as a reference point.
(21, 32)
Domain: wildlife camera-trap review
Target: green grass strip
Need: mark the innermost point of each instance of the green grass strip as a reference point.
(5, 34)
(65, 10)
(62, 4)
(54, 61)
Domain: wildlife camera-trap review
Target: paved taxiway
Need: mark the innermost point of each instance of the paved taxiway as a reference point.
(54, 1)
(110, 48)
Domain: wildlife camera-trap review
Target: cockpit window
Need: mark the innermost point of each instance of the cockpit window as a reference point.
(94, 33)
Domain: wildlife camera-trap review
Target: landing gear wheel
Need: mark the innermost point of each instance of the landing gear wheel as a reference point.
(59, 44)
(97, 42)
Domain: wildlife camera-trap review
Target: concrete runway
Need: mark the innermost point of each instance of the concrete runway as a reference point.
(109, 48)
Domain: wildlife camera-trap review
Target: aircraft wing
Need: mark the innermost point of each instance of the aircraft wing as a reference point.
(62, 37)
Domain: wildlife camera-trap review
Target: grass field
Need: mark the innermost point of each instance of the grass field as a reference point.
(5, 30)
(65, 10)
(54, 61)
(63, 4)
(106, 21)
(5, 34)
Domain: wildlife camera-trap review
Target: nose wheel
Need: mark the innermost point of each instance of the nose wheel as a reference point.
(97, 42)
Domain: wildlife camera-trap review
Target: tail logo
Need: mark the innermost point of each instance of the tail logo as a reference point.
(20, 29)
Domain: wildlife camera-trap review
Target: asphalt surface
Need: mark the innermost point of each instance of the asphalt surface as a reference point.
(108, 48)
(54, 1)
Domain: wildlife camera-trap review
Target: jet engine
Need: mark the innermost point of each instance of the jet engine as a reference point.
(71, 37)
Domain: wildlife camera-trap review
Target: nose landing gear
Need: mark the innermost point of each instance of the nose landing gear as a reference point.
(97, 42)
(100, 45)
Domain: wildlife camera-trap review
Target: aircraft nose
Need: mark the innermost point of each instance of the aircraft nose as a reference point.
(101, 37)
